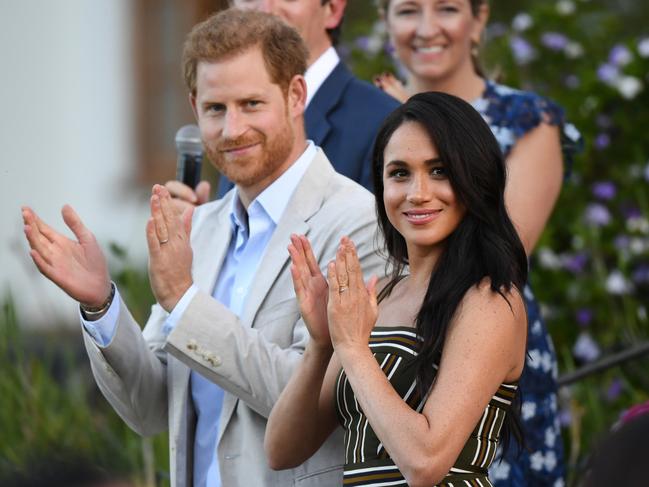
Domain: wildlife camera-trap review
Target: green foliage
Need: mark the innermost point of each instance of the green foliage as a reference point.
(50, 409)
(591, 267)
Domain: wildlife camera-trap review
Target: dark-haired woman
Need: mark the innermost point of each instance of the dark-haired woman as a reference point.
(422, 377)
(437, 42)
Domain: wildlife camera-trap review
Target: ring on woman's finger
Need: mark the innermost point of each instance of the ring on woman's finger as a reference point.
(342, 289)
(164, 241)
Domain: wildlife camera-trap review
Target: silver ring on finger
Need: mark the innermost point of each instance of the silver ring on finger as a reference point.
(342, 289)
(162, 242)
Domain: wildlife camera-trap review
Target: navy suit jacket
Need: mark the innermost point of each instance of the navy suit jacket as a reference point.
(343, 118)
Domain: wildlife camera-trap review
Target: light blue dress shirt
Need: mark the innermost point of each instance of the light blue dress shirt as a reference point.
(251, 232)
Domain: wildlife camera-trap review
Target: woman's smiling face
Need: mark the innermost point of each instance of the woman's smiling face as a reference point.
(418, 197)
(434, 38)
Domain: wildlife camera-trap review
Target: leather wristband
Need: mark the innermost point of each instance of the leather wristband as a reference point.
(94, 312)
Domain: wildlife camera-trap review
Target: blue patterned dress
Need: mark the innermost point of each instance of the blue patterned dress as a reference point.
(511, 114)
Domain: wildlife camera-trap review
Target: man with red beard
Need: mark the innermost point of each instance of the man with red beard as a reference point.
(225, 335)
(342, 113)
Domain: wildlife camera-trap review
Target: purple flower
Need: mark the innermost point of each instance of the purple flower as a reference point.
(643, 47)
(630, 211)
(554, 41)
(603, 121)
(597, 215)
(362, 43)
(584, 316)
(620, 55)
(614, 389)
(522, 21)
(602, 141)
(497, 29)
(586, 348)
(640, 274)
(604, 190)
(575, 263)
(621, 242)
(572, 81)
(565, 417)
(522, 50)
(608, 73)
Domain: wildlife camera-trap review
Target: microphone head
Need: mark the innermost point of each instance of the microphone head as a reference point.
(188, 140)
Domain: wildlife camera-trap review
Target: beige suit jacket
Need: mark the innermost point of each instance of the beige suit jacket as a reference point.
(145, 374)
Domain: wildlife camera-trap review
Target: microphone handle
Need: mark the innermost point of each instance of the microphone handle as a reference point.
(188, 169)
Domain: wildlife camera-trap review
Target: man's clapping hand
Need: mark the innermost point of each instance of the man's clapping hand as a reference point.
(78, 266)
(170, 253)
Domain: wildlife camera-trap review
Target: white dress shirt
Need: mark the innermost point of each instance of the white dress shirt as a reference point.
(317, 73)
(251, 232)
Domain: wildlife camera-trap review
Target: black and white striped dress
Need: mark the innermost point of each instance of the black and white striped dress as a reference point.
(366, 461)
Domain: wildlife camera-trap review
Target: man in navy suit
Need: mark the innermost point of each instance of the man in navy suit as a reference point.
(342, 114)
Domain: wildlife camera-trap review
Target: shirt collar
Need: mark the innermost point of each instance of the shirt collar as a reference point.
(318, 72)
(274, 199)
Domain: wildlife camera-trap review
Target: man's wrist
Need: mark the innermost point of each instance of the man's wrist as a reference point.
(93, 313)
(170, 303)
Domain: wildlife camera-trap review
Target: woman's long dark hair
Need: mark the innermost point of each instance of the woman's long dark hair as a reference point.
(485, 243)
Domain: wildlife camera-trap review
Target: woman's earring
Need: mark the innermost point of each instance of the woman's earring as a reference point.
(475, 49)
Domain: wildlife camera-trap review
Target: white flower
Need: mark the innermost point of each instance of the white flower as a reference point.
(628, 86)
(646, 172)
(635, 171)
(565, 7)
(642, 313)
(643, 47)
(374, 44)
(550, 437)
(573, 50)
(534, 359)
(571, 132)
(528, 410)
(617, 284)
(553, 407)
(638, 224)
(548, 259)
(585, 348)
(522, 22)
(550, 460)
(379, 28)
(499, 470)
(560, 482)
(536, 461)
(637, 246)
(577, 242)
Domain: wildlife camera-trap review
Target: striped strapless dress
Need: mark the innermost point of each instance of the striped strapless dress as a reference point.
(366, 461)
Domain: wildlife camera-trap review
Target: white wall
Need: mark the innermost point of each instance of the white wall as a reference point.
(65, 136)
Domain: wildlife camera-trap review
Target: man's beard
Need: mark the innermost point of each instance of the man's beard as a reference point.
(249, 170)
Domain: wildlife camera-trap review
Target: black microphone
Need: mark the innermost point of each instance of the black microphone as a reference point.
(190, 155)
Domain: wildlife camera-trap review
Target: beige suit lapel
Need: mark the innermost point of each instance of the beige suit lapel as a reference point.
(210, 244)
(306, 200)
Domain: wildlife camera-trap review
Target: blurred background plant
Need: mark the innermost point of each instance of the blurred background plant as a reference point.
(51, 411)
(591, 268)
